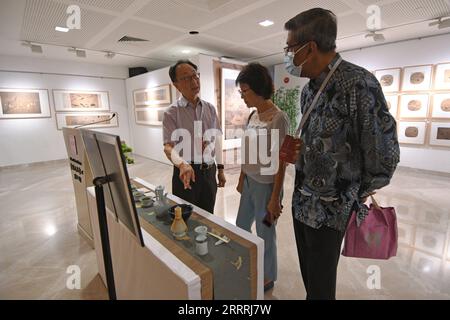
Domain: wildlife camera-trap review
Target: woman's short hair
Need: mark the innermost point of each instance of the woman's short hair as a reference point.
(258, 78)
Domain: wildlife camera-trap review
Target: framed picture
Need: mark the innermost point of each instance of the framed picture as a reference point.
(72, 101)
(152, 96)
(440, 134)
(392, 104)
(150, 117)
(417, 78)
(24, 103)
(234, 110)
(414, 105)
(389, 79)
(72, 120)
(442, 76)
(411, 132)
(441, 106)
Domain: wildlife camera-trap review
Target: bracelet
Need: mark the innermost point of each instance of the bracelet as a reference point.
(220, 166)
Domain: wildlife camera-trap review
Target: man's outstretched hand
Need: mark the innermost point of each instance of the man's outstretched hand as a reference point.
(187, 175)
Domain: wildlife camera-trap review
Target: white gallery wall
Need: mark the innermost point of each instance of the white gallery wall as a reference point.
(36, 140)
(431, 50)
(147, 141)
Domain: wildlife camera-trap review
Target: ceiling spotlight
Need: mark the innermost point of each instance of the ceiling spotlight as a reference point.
(61, 29)
(266, 23)
(110, 54)
(80, 53)
(34, 47)
(441, 23)
(377, 37)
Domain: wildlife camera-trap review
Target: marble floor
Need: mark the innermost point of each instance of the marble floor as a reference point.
(39, 238)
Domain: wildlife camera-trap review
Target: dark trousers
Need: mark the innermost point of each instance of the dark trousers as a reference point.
(318, 253)
(203, 191)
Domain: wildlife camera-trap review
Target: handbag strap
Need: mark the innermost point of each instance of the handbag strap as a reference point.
(374, 202)
(316, 98)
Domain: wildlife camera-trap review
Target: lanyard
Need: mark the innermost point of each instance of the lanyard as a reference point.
(199, 140)
(316, 98)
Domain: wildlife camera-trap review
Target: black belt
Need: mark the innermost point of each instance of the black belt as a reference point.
(203, 166)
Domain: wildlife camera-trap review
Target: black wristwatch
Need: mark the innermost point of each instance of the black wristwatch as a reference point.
(220, 166)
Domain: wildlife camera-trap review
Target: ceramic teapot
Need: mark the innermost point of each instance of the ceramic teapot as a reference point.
(161, 197)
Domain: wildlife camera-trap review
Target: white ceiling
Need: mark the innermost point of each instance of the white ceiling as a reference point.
(227, 27)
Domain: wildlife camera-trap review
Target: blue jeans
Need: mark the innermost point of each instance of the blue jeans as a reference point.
(252, 208)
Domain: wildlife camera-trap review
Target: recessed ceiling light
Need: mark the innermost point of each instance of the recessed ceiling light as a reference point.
(62, 29)
(266, 23)
(185, 51)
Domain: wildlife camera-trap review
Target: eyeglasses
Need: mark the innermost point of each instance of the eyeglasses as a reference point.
(241, 92)
(287, 48)
(195, 76)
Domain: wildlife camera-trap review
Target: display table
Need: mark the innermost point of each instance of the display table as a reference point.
(169, 269)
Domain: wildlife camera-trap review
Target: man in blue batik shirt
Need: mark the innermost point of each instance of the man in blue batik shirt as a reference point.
(350, 147)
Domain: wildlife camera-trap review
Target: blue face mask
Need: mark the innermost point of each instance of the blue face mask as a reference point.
(291, 68)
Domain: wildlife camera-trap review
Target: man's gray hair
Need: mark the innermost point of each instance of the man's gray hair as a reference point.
(318, 25)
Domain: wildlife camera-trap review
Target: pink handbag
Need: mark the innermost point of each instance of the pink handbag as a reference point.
(375, 238)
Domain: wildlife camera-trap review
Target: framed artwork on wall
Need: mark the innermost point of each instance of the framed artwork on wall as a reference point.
(414, 106)
(440, 134)
(234, 110)
(441, 106)
(72, 120)
(442, 76)
(152, 96)
(417, 78)
(389, 79)
(392, 104)
(149, 117)
(24, 103)
(411, 132)
(84, 101)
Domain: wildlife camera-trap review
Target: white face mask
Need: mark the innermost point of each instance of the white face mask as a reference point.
(291, 68)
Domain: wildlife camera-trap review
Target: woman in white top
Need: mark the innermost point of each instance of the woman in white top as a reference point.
(262, 175)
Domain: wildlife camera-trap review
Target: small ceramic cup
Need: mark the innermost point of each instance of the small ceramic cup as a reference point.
(201, 230)
(201, 245)
(146, 202)
(137, 195)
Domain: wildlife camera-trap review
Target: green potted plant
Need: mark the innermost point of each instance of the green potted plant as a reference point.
(126, 150)
(288, 101)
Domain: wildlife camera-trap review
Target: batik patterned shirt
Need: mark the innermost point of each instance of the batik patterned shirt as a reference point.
(350, 147)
